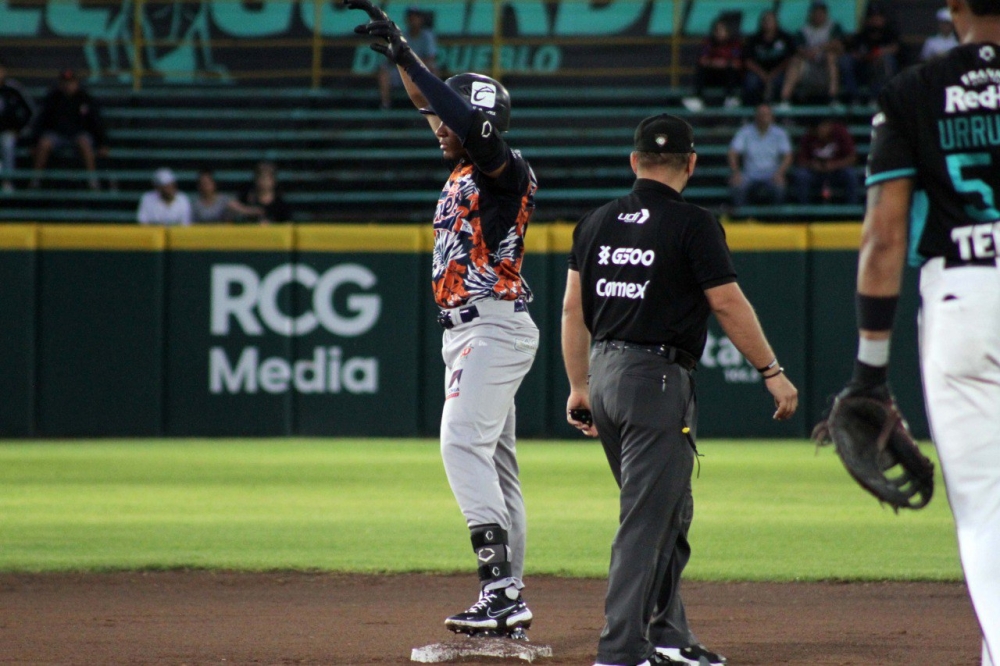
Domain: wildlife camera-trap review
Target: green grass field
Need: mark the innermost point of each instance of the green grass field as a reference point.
(763, 510)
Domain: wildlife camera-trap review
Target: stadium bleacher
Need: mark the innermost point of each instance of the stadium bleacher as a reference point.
(341, 159)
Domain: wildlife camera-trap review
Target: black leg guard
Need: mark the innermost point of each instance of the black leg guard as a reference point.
(490, 544)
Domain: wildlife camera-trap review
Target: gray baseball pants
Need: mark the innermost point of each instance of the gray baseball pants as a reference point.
(485, 361)
(640, 404)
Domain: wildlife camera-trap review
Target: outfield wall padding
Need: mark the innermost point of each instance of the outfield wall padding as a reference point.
(329, 330)
(18, 245)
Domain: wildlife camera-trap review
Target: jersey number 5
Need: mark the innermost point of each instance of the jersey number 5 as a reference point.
(988, 211)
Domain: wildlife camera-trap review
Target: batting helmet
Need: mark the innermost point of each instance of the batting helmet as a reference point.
(486, 94)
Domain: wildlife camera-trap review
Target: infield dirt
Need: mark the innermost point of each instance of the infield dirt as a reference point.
(202, 617)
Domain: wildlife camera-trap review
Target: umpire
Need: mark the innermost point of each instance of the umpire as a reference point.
(645, 272)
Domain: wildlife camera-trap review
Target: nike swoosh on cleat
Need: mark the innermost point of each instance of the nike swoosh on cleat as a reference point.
(489, 611)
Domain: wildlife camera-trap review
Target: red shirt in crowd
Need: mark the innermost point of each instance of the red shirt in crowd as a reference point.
(721, 54)
(837, 145)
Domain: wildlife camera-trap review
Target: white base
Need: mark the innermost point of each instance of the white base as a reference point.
(479, 647)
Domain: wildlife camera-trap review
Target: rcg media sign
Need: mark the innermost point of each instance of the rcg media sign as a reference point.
(243, 301)
(292, 343)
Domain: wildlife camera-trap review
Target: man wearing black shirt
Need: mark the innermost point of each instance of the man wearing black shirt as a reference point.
(16, 111)
(934, 175)
(646, 270)
(767, 54)
(70, 116)
(874, 51)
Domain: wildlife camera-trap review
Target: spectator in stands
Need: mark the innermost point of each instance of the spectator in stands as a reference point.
(765, 152)
(874, 50)
(767, 54)
(16, 111)
(212, 206)
(264, 195)
(825, 161)
(164, 204)
(70, 117)
(421, 40)
(720, 65)
(944, 40)
(820, 61)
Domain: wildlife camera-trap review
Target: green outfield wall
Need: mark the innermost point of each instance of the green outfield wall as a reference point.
(329, 330)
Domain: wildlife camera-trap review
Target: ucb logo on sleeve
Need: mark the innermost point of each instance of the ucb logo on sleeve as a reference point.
(483, 94)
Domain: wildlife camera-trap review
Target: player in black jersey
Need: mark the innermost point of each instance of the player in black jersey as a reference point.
(934, 180)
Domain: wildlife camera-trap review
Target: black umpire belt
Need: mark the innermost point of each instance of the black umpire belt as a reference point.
(463, 315)
(672, 354)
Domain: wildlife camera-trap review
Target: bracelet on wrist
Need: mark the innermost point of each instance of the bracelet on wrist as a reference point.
(772, 364)
(779, 371)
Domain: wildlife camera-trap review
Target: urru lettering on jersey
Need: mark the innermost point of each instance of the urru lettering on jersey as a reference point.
(631, 290)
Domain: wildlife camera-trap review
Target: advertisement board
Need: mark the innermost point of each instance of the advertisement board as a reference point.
(330, 330)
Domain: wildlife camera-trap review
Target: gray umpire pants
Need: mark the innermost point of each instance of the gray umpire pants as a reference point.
(485, 361)
(641, 403)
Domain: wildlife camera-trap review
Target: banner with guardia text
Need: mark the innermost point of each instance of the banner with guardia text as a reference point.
(228, 41)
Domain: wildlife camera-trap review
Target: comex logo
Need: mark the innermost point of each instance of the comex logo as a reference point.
(483, 94)
(630, 290)
(635, 218)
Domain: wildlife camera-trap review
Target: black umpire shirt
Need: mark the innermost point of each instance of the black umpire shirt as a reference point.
(645, 261)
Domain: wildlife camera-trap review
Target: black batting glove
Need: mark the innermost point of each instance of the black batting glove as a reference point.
(395, 48)
(373, 12)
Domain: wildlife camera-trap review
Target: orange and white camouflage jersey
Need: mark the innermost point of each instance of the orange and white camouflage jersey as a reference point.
(479, 229)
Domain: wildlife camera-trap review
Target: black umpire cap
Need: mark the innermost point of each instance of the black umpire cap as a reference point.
(664, 134)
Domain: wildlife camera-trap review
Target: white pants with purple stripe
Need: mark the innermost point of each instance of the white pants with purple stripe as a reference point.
(960, 360)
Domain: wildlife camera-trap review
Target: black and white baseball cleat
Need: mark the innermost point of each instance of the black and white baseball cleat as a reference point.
(696, 655)
(497, 613)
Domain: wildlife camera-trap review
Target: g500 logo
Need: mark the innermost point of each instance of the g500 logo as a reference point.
(240, 296)
(625, 255)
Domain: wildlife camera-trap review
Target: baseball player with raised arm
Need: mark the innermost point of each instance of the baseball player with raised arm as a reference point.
(489, 340)
(934, 175)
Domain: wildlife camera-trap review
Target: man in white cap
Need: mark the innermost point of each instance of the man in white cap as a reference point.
(942, 42)
(164, 204)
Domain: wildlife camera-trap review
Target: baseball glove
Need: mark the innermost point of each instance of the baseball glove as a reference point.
(875, 445)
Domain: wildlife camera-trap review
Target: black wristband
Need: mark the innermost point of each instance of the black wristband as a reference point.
(869, 375)
(876, 313)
